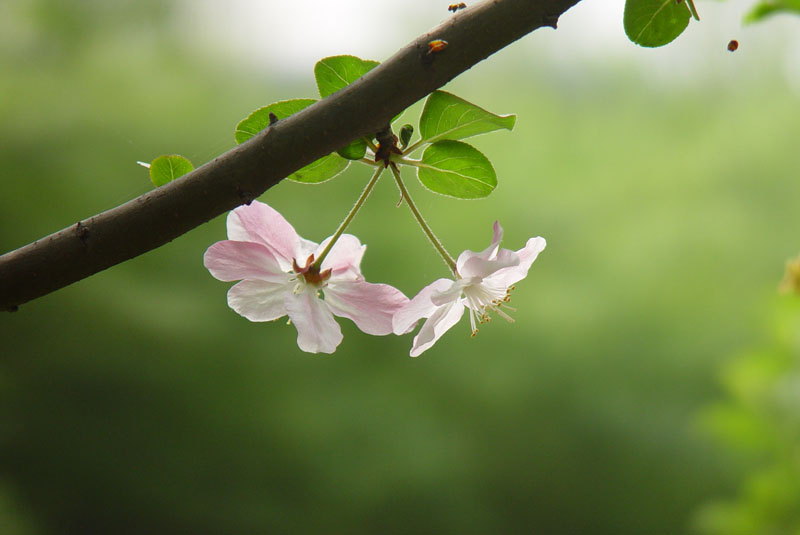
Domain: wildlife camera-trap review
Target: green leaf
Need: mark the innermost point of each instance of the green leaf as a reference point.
(320, 170)
(259, 119)
(456, 169)
(445, 116)
(167, 168)
(336, 72)
(772, 7)
(355, 150)
(653, 23)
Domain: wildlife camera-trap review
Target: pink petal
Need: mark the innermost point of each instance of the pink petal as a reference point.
(317, 331)
(258, 300)
(420, 306)
(508, 276)
(487, 254)
(236, 260)
(344, 258)
(370, 306)
(438, 324)
(260, 223)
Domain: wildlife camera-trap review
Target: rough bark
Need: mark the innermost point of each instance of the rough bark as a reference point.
(245, 172)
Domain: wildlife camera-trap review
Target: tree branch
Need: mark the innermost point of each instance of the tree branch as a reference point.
(245, 172)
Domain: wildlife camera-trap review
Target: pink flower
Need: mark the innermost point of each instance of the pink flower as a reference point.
(278, 278)
(483, 286)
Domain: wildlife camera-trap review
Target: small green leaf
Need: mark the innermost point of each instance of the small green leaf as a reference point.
(259, 119)
(405, 135)
(355, 150)
(336, 72)
(167, 168)
(445, 116)
(653, 23)
(456, 169)
(320, 170)
(772, 7)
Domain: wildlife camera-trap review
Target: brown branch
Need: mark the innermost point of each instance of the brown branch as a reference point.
(245, 172)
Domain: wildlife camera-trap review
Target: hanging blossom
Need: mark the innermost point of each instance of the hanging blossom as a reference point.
(483, 286)
(279, 278)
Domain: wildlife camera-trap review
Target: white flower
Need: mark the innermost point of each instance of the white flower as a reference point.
(278, 278)
(484, 283)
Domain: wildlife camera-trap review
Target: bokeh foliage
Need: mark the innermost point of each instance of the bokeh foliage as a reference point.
(135, 401)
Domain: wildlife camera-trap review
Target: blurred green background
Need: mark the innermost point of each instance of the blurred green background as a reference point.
(136, 401)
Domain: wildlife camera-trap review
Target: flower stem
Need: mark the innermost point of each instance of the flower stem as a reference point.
(425, 228)
(356, 207)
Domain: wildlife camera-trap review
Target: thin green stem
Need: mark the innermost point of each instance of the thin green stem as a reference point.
(356, 207)
(370, 162)
(414, 146)
(425, 228)
(371, 145)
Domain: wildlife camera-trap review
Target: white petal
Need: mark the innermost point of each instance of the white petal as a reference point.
(370, 306)
(508, 276)
(258, 300)
(260, 223)
(476, 266)
(438, 324)
(236, 260)
(419, 307)
(317, 331)
(487, 254)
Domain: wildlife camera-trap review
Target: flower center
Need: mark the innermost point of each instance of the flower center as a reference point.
(483, 299)
(310, 274)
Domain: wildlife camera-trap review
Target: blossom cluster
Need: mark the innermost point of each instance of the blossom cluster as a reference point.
(281, 274)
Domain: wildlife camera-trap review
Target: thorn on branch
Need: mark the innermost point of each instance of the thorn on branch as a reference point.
(551, 21)
(272, 118)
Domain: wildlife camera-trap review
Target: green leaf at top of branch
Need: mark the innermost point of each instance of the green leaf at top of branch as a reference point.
(456, 169)
(335, 72)
(260, 118)
(167, 168)
(446, 116)
(772, 7)
(654, 23)
(320, 170)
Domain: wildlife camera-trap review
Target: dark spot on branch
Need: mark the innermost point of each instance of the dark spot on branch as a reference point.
(272, 118)
(82, 232)
(12, 308)
(245, 195)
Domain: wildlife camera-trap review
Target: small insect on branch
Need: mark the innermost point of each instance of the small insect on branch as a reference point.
(436, 46)
(456, 7)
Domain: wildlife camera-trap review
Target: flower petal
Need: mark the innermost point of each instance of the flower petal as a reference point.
(370, 306)
(487, 254)
(476, 266)
(438, 324)
(260, 223)
(236, 260)
(317, 331)
(508, 276)
(420, 306)
(344, 258)
(258, 300)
